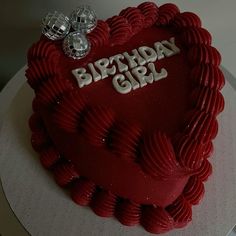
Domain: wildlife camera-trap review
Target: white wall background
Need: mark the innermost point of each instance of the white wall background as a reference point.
(20, 24)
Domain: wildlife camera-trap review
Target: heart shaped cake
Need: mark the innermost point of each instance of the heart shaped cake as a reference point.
(127, 126)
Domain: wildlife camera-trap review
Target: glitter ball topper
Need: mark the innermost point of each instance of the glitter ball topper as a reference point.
(83, 19)
(55, 25)
(76, 45)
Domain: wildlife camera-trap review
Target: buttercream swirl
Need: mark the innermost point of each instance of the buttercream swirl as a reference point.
(49, 157)
(43, 49)
(181, 211)
(201, 126)
(65, 173)
(100, 35)
(194, 191)
(189, 152)
(40, 140)
(35, 105)
(36, 122)
(128, 212)
(150, 12)
(157, 156)
(156, 220)
(166, 13)
(186, 19)
(125, 139)
(134, 17)
(204, 171)
(52, 90)
(39, 71)
(82, 191)
(204, 54)
(208, 75)
(97, 124)
(120, 30)
(208, 150)
(103, 203)
(68, 111)
(208, 100)
(192, 36)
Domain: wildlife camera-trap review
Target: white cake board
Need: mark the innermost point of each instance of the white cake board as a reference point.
(45, 209)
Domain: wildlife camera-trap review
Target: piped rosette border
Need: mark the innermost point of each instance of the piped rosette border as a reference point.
(157, 155)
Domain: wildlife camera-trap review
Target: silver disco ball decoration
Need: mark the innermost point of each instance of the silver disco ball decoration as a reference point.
(83, 19)
(76, 45)
(55, 25)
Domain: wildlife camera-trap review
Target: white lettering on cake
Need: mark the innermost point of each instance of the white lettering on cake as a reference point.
(134, 83)
(121, 66)
(82, 77)
(135, 59)
(171, 45)
(121, 85)
(138, 78)
(157, 76)
(139, 74)
(102, 65)
(148, 53)
(95, 74)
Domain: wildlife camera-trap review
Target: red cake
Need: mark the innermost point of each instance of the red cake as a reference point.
(128, 127)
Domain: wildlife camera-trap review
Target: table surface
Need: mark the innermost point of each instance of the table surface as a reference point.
(220, 22)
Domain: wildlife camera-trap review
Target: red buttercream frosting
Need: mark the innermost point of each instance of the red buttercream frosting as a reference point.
(35, 123)
(42, 50)
(40, 71)
(125, 139)
(100, 35)
(167, 12)
(150, 12)
(141, 157)
(104, 203)
(69, 112)
(201, 126)
(52, 90)
(208, 75)
(204, 171)
(193, 36)
(40, 140)
(157, 156)
(128, 213)
(65, 173)
(208, 150)
(135, 18)
(120, 30)
(194, 190)
(204, 54)
(208, 100)
(49, 157)
(97, 123)
(186, 20)
(181, 212)
(82, 192)
(157, 220)
(189, 152)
